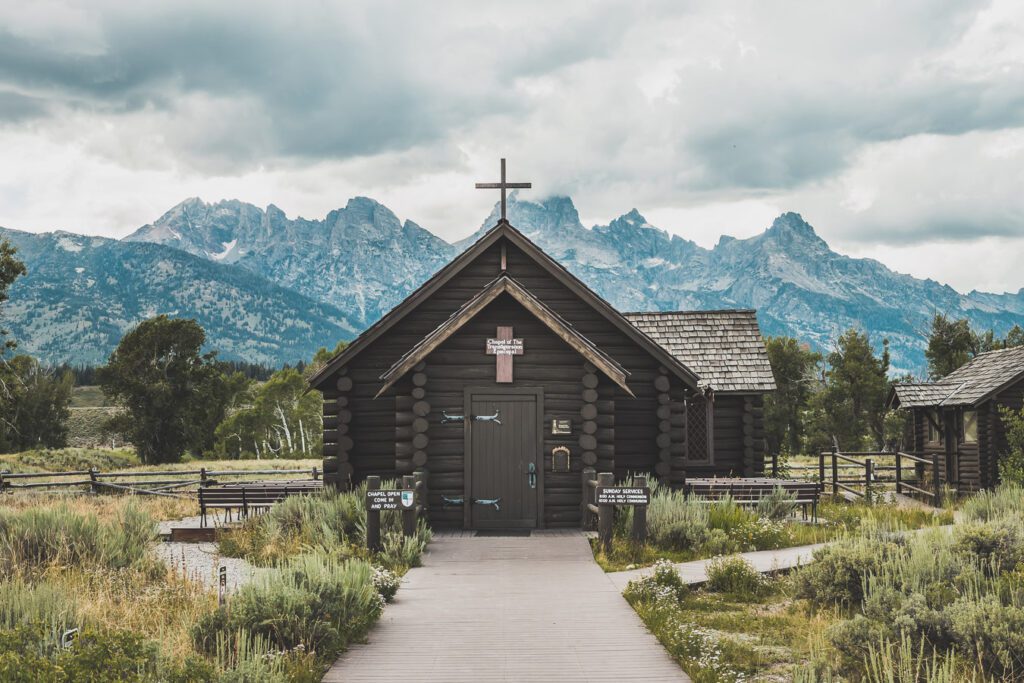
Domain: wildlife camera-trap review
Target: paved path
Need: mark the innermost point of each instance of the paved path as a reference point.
(763, 561)
(508, 609)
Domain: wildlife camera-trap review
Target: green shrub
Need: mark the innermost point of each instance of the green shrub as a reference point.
(777, 505)
(97, 656)
(839, 572)
(998, 545)
(313, 601)
(401, 552)
(726, 514)
(663, 584)
(35, 538)
(676, 521)
(735, 576)
(1011, 462)
(990, 634)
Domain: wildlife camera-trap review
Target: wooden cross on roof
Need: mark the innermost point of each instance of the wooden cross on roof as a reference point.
(503, 186)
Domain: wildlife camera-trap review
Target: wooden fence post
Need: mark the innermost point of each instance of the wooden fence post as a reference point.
(936, 483)
(868, 471)
(606, 514)
(92, 478)
(409, 514)
(899, 474)
(316, 473)
(835, 472)
(821, 471)
(639, 534)
(587, 520)
(373, 517)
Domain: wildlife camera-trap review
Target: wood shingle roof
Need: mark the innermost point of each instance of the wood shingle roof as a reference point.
(976, 381)
(724, 348)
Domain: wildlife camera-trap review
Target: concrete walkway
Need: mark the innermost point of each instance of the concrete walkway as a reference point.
(763, 561)
(508, 609)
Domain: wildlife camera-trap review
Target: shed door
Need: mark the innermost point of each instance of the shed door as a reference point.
(502, 439)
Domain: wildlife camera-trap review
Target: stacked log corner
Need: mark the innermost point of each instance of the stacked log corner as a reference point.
(337, 447)
(671, 439)
(753, 436)
(597, 424)
(412, 413)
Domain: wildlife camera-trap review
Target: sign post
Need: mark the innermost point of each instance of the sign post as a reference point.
(607, 496)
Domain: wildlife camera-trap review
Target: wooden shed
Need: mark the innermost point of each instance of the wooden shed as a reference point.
(503, 376)
(957, 418)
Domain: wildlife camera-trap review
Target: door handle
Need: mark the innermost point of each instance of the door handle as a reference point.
(488, 501)
(531, 475)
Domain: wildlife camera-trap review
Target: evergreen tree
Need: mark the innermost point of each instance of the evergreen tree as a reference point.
(795, 368)
(951, 344)
(850, 405)
(10, 269)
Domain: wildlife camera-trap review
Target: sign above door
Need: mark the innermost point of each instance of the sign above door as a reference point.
(503, 347)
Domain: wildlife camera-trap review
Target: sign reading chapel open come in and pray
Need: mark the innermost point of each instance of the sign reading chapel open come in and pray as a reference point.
(503, 347)
(623, 495)
(389, 500)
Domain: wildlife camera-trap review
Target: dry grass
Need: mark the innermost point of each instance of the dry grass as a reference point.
(162, 607)
(104, 507)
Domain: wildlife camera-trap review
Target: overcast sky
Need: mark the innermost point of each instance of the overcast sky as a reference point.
(895, 128)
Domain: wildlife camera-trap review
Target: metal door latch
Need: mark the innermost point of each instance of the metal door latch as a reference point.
(488, 501)
(488, 418)
(446, 418)
(531, 475)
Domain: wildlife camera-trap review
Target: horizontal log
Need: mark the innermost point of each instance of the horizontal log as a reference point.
(588, 411)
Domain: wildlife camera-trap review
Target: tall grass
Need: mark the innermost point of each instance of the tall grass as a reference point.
(314, 602)
(329, 522)
(33, 539)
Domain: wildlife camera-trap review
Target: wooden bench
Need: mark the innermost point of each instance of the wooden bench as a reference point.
(750, 490)
(246, 497)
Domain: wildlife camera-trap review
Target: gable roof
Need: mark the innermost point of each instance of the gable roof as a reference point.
(724, 348)
(505, 284)
(975, 382)
(503, 229)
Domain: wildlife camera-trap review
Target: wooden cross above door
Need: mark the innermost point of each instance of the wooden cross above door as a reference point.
(503, 346)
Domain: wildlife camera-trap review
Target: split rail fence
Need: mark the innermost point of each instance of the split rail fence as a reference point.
(173, 484)
(865, 474)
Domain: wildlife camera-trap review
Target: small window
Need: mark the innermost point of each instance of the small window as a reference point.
(970, 426)
(934, 427)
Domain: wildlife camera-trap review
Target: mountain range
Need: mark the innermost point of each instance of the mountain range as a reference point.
(272, 289)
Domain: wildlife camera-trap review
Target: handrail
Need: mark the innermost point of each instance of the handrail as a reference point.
(843, 457)
(915, 458)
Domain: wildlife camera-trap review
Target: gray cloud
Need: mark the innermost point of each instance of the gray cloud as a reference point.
(866, 118)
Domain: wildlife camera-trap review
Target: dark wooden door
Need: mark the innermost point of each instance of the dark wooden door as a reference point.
(503, 460)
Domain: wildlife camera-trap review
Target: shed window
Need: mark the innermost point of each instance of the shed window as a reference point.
(970, 426)
(699, 421)
(934, 428)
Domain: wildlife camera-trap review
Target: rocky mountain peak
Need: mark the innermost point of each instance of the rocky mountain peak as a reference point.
(791, 227)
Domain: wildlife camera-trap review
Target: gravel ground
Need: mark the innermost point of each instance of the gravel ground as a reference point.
(202, 561)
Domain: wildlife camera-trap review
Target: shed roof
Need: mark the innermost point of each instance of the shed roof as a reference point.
(975, 382)
(724, 348)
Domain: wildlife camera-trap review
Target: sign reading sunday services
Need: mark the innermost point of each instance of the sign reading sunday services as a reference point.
(623, 495)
